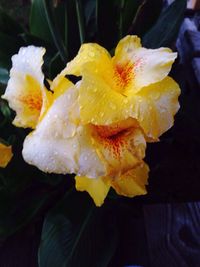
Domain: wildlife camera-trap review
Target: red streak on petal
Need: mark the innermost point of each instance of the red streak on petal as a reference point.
(124, 73)
(112, 138)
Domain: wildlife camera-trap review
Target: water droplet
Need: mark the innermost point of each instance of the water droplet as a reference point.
(156, 95)
(101, 114)
(91, 54)
(125, 101)
(113, 106)
(95, 90)
(85, 158)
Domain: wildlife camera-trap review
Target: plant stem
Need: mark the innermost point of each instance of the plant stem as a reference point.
(54, 32)
(80, 17)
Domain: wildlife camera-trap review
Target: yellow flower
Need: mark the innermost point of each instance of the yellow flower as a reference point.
(25, 92)
(133, 83)
(5, 155)
(101, 156)
(97, 128)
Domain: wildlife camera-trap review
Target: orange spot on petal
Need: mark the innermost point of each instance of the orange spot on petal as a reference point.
(33, 102)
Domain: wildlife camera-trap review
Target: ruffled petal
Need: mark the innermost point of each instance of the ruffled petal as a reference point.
(5, 155)
(60, 145)
(88, 53)
(148, 65)
(133, 182)
(25, 91)
(155, 106)
(121, 146)
(97, 188)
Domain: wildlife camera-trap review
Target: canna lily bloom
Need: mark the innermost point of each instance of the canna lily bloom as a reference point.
(5, 155)
(101, 156)
(25, 92)
(133, 83)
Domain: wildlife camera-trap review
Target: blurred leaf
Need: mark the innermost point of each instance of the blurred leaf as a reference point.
(16, 211)
(76, 234)
(108, 17)
(146, 16)
(38, 23)
(130, 9)
(55, 66)
(4, 75)
(43, 24)
(9, 45)
(8, 25)
(5, 109)
(165, 31)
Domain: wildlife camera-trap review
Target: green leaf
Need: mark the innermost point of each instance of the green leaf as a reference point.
(144, 19)
(129, 11)
(4, 75)
(165, 31)
(9, 45)
(43, 24)
(8, 25)
(77, 234)
(16, 212)
(38, 23)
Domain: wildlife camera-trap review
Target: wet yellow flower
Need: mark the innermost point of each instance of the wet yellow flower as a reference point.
(101, 156)
(98, 128)
(5, 155)
(133, 83)
(25, 92)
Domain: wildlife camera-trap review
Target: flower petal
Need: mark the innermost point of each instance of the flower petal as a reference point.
(5, 155)
(99, 104)
(25, 91)
(92, 53)
(133, 182)
(155, 106)
(149, 65)
(60, 145)
(121, 146)
(97, 188)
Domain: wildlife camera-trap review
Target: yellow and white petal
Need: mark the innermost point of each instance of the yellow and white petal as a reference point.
(148, 65)
(5, 155)
(25, 90)
(155, 106)
(128, 45)
(97, 188)
(133, 182)
(99, 104)
(88, 53)
(59, 145)
(121, 146)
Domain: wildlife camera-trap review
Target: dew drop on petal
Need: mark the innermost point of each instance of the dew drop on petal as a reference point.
(101, 114)
(125, 101)
(112, 106)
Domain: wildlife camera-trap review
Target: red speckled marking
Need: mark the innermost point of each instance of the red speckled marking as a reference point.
(124, 74)
(112, 138)
(34, 102)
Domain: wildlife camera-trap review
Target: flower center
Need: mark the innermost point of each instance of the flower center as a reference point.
(124, 74)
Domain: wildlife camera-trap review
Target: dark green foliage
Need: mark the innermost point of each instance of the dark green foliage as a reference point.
(75, 234)
(164, 32)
